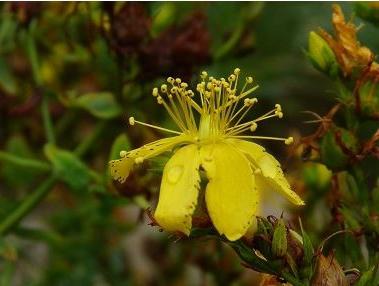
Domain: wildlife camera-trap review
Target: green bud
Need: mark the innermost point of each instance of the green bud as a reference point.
(369, 97)
(279, 240)
(368, 11)
(321, 55)
(332, 153)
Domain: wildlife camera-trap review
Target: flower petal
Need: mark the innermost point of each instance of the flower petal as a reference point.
(231, 195)
(121, 168)
(179, 190)
(270, 167)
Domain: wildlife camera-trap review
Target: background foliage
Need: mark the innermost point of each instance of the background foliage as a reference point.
(70, 75)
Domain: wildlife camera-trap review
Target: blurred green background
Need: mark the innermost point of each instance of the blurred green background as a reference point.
(70, 76)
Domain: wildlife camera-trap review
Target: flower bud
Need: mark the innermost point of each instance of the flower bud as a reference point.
(328, 272)
(279, 240)
(321, 55)
(369, 99)
(335, 147)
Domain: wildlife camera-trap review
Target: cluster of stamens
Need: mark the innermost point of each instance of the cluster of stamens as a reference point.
(219, 109)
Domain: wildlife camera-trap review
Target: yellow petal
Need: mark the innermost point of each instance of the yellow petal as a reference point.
(121, 168)
(271, 172)
(179, 190)
(231, 195)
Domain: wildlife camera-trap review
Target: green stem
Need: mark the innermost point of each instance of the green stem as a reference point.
(230, 43)
(26, 205)
(85, 145)
(23, 162)
(47, 124)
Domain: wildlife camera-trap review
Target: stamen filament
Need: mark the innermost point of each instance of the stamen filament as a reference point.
(153, 126)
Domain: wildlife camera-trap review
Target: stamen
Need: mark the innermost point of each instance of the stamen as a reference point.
(132, 121)
(123, 153)
(288, 140)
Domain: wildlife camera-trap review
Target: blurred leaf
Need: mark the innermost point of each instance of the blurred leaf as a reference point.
(8, 27)
(15, 175)
(68, 167)
(367, 278)
(7, 251)
(7, 81)
(102, 104)
(368, 11)
(119, 144)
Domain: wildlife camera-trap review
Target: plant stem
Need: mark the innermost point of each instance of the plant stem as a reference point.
(26, 205)
(84, 146)
(23, 162)
(230, 43)
(47, 124)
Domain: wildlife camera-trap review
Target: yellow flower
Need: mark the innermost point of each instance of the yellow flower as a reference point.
(236, 168)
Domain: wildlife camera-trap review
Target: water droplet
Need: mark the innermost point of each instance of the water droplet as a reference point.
(174, 174)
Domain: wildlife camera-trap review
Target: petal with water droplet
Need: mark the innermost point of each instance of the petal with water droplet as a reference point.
(231, 195)
(179, 190)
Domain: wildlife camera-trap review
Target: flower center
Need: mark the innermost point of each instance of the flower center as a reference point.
(220, 107)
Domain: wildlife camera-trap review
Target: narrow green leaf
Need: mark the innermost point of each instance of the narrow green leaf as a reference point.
(68, 167)
(102, 104)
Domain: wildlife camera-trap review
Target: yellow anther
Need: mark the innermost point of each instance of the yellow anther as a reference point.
(279, 114)
(155, 91)
(288, 141)
(249, 79)
(278, 107)
(164, 87)
(178, 80)
(209, 85)
(237, 71)
(131, 120)
(139, 160)
(232, 78)
(211, 78)
(170, 80)
(217, 89)
(169, 96)
(257, 171)
(184, 85)
(247, 102)
(253, 127)
(123, 153)
(204, 75)
(190, 93)
(159, 99)
(174, 89)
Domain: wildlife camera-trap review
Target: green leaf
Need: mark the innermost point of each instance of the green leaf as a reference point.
(68, 167)
(100, 104)
(366, 278)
